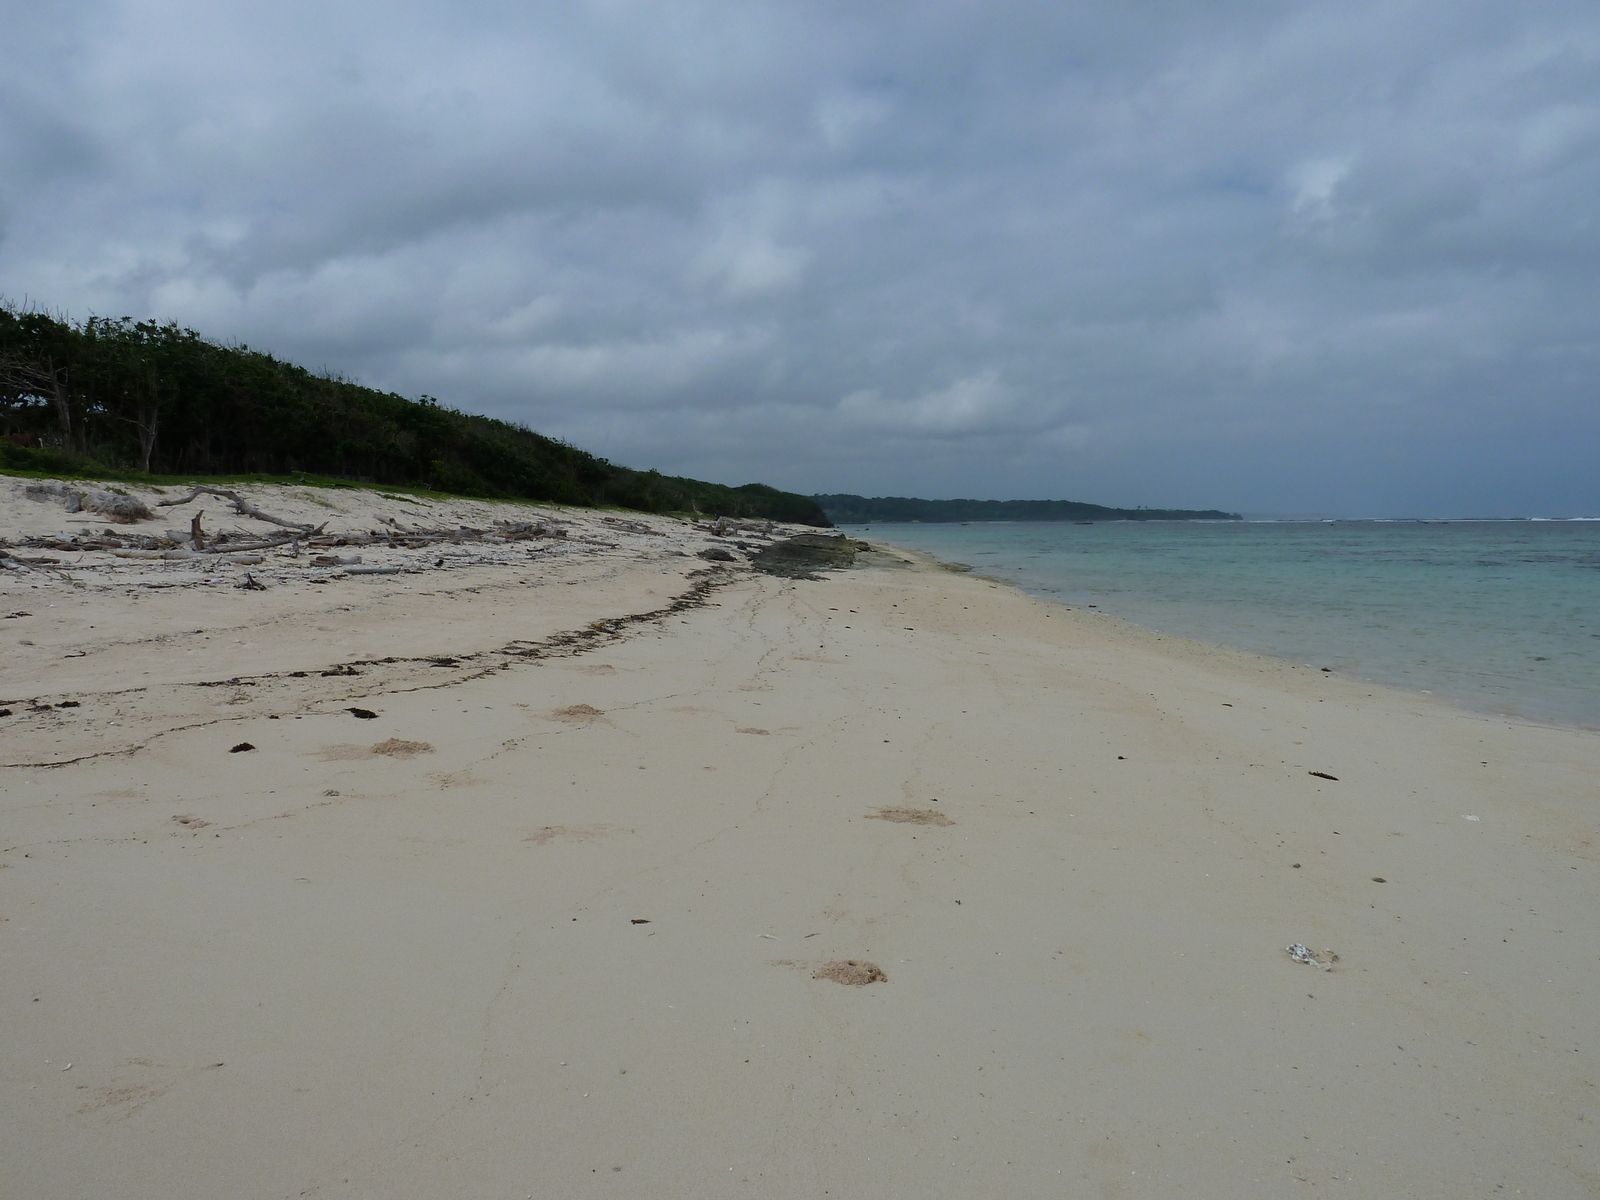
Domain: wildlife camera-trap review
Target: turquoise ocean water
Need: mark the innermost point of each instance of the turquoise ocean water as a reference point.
(1499, 616)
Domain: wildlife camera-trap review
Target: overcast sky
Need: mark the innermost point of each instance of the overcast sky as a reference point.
(1336, 256)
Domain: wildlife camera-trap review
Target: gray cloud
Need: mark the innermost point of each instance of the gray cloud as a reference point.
(1284, 256)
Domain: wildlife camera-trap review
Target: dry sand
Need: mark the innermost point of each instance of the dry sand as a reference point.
(570, 915)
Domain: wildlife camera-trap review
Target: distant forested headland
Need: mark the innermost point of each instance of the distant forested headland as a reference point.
(140, 396)
(859, 510)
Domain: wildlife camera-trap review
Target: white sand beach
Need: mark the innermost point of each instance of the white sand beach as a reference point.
(558, 918)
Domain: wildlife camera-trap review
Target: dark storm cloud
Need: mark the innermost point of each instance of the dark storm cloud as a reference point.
(1272, 256)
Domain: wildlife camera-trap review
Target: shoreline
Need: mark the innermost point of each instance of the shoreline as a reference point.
(1382, 670)
(1133, 629)
(572, 923)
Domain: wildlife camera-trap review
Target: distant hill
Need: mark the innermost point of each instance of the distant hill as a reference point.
(859, 510)
(137, 396)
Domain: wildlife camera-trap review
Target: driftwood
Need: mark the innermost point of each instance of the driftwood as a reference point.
(172, 546)
(633, 526)
(517, 531)
(180, 553)
(108, 541)
(115, 505)
(264, 544)
(240, 505)
(723, 526)
(223, 544)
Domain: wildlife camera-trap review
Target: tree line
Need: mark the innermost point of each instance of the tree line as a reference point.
(859, 510)
(161, 399)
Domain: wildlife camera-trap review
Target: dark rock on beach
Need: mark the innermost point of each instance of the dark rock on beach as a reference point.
(801, 556)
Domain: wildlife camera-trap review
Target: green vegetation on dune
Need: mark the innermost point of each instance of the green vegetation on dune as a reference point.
(860, 510)
(131, 399)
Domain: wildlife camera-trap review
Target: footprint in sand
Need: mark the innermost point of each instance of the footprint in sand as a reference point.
(119, 1101)
(393, 748)
(569, 833)
(911, 816)
(399, 748)
(128, 1099)
(577, 714)
(852, 972)
(450, 779)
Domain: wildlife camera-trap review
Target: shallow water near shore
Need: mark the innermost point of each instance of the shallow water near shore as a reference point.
(1498, 616)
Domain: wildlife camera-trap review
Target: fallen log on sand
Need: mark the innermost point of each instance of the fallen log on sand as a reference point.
(207, 556)
(240, 505)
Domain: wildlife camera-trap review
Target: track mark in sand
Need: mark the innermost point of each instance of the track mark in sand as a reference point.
(191, 822)
(577, 713)
(566, 644)
(393, 748)
(852, 972)
(450, 779)
(399, 748)
(343, 753)
(570, 833)
(752, 729)
(597, 669)
(911, 816)
(129, 1099)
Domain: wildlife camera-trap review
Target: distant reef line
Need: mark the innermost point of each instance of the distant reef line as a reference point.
(862, 510)
(140, 400)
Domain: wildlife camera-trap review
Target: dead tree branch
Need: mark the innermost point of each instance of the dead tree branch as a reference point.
(240, 505)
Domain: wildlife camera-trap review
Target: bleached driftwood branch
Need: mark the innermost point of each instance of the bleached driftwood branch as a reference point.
(240, 505)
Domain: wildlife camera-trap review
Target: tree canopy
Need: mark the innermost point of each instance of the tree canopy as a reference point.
(159, 398)
(858, 510)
